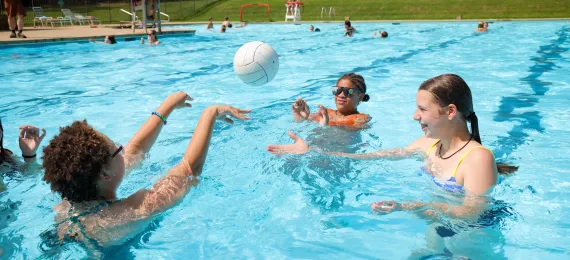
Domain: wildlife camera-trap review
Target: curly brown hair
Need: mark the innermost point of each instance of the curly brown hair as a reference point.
(73, 161)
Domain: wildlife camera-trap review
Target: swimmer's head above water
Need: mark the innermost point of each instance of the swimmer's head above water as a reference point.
(349, 91)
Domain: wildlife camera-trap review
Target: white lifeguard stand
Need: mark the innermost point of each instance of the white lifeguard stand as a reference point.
(145, 21)
(293, 11)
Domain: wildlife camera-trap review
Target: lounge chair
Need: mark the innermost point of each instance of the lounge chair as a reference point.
(68, 14)
(80, 18)
(40, 16)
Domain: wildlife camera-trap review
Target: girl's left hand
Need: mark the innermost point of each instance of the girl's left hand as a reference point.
(324, 115)
(30, 139)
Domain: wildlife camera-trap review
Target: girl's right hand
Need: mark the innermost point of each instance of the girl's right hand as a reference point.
(223, 111)
(300, 109)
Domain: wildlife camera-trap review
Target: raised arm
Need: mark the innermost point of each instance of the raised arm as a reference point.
(171, 189)
(145, 137)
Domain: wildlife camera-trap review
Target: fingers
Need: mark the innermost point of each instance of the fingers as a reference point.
(22, 132)
(239, 113)
(43, 134)
(187, 104)
(276, 149)
(189, 98)
(229, 120)
(292, 135)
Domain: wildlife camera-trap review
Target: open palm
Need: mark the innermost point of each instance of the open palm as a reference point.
(299, 147)
(30, 139)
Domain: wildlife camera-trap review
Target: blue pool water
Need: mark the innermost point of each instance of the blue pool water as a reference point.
(251, 204)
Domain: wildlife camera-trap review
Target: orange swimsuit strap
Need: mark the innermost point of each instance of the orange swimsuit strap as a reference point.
(347, 120)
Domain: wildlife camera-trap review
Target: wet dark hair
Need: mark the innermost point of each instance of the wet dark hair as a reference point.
(347, 23)
(227, 18)
(450, 89)
(2, 151)
(153, 32)
(357, 81)
(74, 160)
(480, 25)
(112, 39)
(384, 34)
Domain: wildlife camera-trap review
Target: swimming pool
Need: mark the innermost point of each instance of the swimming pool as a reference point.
(251, 204)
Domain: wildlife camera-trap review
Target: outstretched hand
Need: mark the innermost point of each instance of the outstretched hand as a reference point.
(223, 111)
(299, 147)
(30, 139)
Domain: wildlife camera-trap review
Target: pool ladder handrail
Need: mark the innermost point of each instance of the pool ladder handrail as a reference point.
(331, 11)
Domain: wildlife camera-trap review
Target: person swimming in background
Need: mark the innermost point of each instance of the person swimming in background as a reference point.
(210, 24)
(481, 27)
(243, 24)
(348, 92)
(109, 39)
(381, 34)
(86, 168)
(454, 156)
(152, 38)
(486, 26)
(349, 30)
(312, 29)
(226, 21)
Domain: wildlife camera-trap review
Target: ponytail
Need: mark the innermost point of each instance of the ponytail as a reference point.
(502, 168)
(474, 127)
(2, 152)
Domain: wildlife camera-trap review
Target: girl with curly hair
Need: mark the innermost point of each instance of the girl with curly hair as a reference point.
(86, 167)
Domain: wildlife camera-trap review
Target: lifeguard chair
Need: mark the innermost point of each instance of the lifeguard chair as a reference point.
(293, 11)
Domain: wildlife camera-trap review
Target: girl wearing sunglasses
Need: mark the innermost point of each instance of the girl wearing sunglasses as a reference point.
(349, 91)
(86, 168)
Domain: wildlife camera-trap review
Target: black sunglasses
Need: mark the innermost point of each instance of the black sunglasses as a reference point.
(117, 152)
(336, 90)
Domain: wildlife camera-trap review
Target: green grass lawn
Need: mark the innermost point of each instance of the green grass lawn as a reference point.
(395, 9)
(201, 10)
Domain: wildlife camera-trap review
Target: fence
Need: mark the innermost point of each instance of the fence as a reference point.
(109, 11)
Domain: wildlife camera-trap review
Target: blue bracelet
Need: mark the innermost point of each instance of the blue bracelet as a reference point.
(161, 117)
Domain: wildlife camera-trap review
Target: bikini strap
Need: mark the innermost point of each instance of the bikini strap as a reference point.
(465, 155)
(432, 146)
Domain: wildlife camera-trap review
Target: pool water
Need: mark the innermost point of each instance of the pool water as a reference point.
(251, 204)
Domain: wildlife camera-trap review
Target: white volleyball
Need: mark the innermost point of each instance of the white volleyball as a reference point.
(256, 63)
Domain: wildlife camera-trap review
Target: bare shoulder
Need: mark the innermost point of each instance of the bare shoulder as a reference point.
(423, 143)
(479, 156)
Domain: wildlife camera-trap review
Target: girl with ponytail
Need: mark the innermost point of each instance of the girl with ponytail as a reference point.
(348, 92)
(454, 156)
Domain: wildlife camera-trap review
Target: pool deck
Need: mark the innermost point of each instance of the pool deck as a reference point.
(56, 34)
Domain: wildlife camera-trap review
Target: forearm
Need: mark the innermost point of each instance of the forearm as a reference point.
(392, 154)
(147, 134)
(195, 154)
(431, 211)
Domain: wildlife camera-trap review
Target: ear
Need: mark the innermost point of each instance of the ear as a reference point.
(105, 176)
(451, 111)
